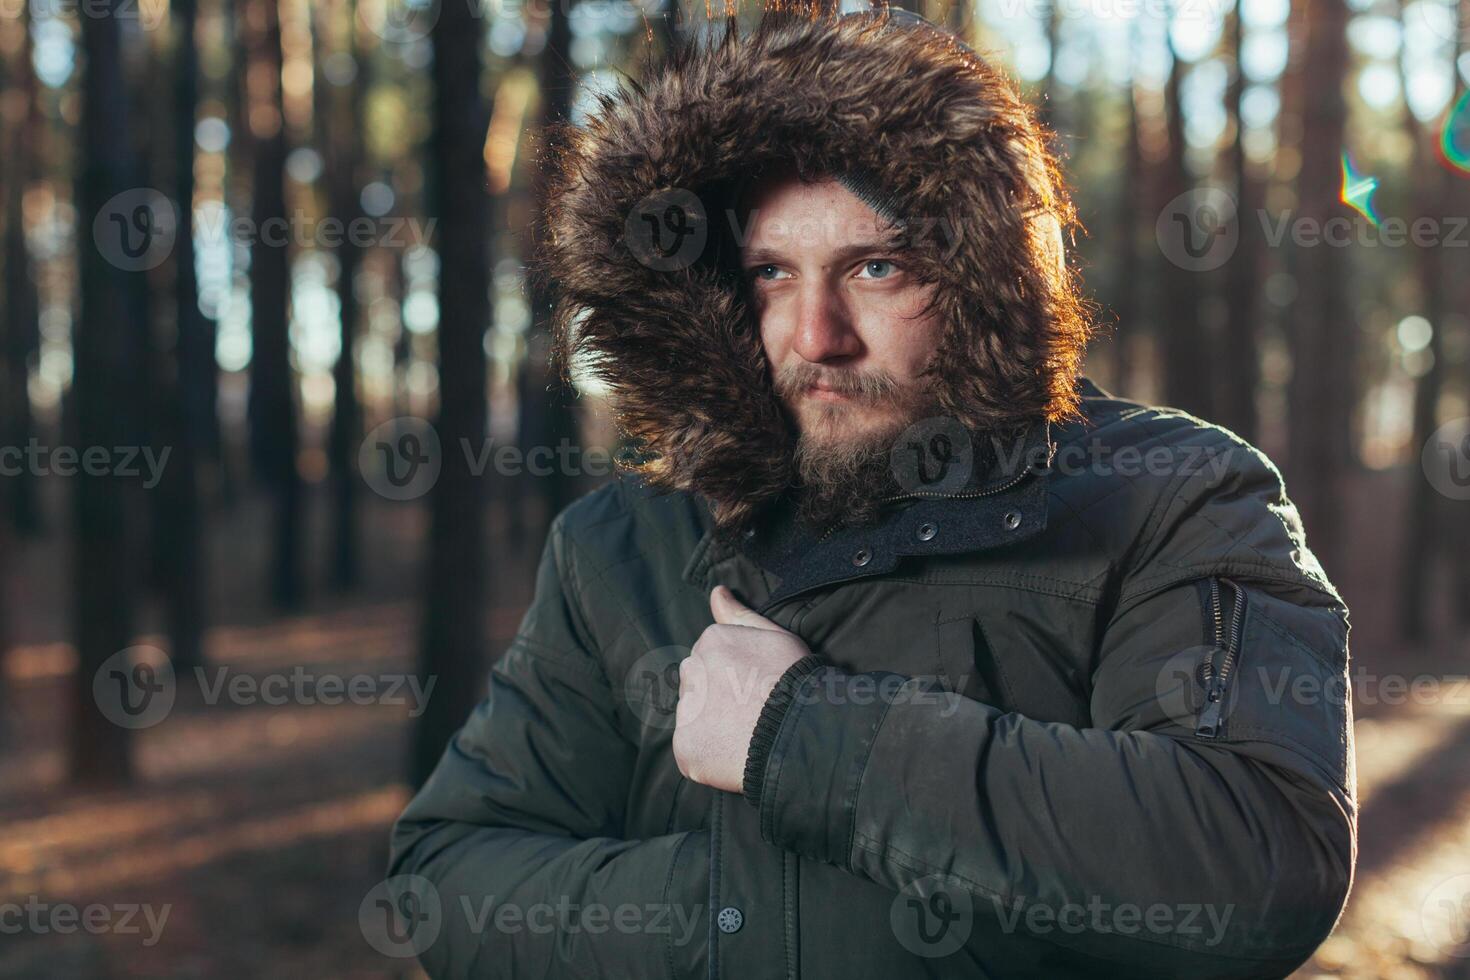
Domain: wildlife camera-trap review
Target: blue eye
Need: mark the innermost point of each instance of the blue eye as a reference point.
(760, 271)
(884, 268)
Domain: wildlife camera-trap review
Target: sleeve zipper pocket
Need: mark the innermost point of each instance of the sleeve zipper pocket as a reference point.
(1226, 622)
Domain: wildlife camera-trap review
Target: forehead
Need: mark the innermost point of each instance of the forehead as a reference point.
(780, 210)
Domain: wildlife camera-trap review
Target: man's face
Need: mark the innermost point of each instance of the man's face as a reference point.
(839, 315)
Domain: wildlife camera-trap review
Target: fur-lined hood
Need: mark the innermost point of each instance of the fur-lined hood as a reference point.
(664, 322)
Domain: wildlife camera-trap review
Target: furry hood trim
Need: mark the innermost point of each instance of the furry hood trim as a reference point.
(641, 244)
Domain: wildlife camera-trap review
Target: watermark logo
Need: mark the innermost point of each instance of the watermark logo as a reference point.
(1206, 923)
(135, 230)
(1440, 18)
(135, 688)
(401, 458)
(401, 21)
(1180, 684)
(667, 230)
(301, 686)
(143, 463)
(1198, 230)
(1445, 916)
(148, 15)
(933, 916)
(651, 688)
(41, 918)
(934, 455)
(1446, 459)
(401, 917)
(566, 917)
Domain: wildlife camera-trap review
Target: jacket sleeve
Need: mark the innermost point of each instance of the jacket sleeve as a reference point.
(1241, 840)
(519, 830)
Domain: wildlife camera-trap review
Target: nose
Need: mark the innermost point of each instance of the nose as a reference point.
(824, 330)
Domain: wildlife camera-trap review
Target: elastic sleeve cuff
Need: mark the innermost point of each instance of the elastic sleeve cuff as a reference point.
(769, 724)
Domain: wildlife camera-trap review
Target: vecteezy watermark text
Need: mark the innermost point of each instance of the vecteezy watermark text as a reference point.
(36, 459)
(136, 688)
(119, 919)
(405, 915)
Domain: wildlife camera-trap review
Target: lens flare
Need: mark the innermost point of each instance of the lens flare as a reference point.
(1357, 190)
(1454, 138)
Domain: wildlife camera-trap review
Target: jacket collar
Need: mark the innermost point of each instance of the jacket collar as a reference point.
(1003, 503)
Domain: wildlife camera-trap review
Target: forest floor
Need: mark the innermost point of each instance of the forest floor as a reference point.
(259, 830)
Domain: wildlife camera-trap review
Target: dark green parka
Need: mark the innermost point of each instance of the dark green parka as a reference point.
(1080, 713)
(1007, 764)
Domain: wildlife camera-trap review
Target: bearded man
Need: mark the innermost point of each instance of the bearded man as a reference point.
(902, 650)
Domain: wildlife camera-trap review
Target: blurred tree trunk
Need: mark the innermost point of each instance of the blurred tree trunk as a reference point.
(340, 114)
(1239, 357)
(146, 66)
(272, 400)
(1421, 532)
(1184, 345)
(1130, 267)
(668, 25)
(1458, 531)
(1435, 198)
(547, 414)
(20, 313)
(187, 404)
(101, 412)
(397, 287)
(12, 185)
(959, 18)
(1322, 328)
(239, 162)
(453, 657)
(1047, 111)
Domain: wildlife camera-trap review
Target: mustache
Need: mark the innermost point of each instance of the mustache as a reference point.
(869, 387)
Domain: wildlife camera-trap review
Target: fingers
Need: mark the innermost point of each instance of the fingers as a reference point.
(730, 611)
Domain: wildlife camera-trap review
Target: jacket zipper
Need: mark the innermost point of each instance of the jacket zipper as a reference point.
(1228, 640)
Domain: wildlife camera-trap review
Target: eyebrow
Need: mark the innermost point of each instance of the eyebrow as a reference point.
(762, 255)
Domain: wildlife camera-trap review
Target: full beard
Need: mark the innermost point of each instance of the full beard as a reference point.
(842, 476)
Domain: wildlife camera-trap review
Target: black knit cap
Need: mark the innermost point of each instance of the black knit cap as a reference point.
(860, 182)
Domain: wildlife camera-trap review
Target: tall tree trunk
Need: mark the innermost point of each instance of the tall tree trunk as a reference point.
(105, 358)
(342, 138)
(272, 400)
(1435, 186)
(1239, 352)
(1047, 111)
(1323, 331)
(1130, 267)
(187, 406)
(1183, 343)
(20, 313)
(453, 656)
(1459, 530)
(667, 27)
(547, 415)
(959, 18)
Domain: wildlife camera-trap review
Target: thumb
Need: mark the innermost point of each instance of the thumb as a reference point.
(730, 611)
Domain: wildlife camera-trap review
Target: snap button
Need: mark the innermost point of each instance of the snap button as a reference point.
(730, 919)
(862, 557)
(927, 531)
(1013, 520)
